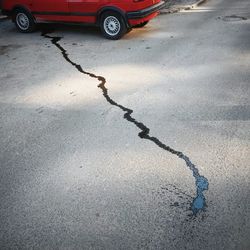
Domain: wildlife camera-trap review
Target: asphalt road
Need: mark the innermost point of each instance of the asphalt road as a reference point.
(141, 143)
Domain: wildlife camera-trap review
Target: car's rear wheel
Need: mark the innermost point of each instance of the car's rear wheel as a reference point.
(24, 21)
(141, 25)
(113, 25)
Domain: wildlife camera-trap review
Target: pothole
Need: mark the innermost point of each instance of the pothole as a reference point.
(233, 18)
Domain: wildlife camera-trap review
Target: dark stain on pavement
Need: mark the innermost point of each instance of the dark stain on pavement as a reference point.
(40, 110)
(199, 202)
(232, 18)
(4, 49)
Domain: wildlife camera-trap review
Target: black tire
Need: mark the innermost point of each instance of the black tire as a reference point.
(141, 25)
(113, 25)
(24, 21)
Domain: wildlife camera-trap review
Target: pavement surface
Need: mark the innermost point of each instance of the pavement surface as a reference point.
(75, 174)
(173, 6)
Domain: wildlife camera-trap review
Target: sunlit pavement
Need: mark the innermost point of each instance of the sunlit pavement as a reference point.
(75, 174)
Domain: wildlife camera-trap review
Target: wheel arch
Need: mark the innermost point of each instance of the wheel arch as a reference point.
(22, 7)
(114, 9)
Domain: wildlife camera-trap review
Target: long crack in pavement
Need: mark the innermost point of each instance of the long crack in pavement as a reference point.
(199, 202)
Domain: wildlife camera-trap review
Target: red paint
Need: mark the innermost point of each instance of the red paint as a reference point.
(86, 11)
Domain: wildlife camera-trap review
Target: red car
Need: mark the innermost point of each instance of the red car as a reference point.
(115, 17)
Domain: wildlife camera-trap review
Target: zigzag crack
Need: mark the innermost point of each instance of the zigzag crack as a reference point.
(199, 202)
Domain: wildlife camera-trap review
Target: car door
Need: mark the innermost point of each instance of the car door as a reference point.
(85, 10)
(51, 10)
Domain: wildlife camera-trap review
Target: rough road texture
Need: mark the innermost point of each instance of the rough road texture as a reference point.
(179, 4)
(76, 175)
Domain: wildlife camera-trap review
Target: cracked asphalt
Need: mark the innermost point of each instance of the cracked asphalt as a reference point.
(74, 174)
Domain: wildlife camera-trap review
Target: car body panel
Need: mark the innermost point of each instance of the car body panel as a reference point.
(86, 11)
(47, 10)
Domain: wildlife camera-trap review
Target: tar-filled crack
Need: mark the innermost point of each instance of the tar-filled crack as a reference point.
(199, 202)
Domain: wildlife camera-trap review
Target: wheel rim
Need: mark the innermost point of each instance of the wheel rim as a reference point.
(22, 21)
(111, 25)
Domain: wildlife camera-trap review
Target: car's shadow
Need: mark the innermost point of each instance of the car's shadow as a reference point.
(89, 31)
(93, 31)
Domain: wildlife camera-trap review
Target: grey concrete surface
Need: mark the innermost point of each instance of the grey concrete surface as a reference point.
(173, 6)
(75, 175)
